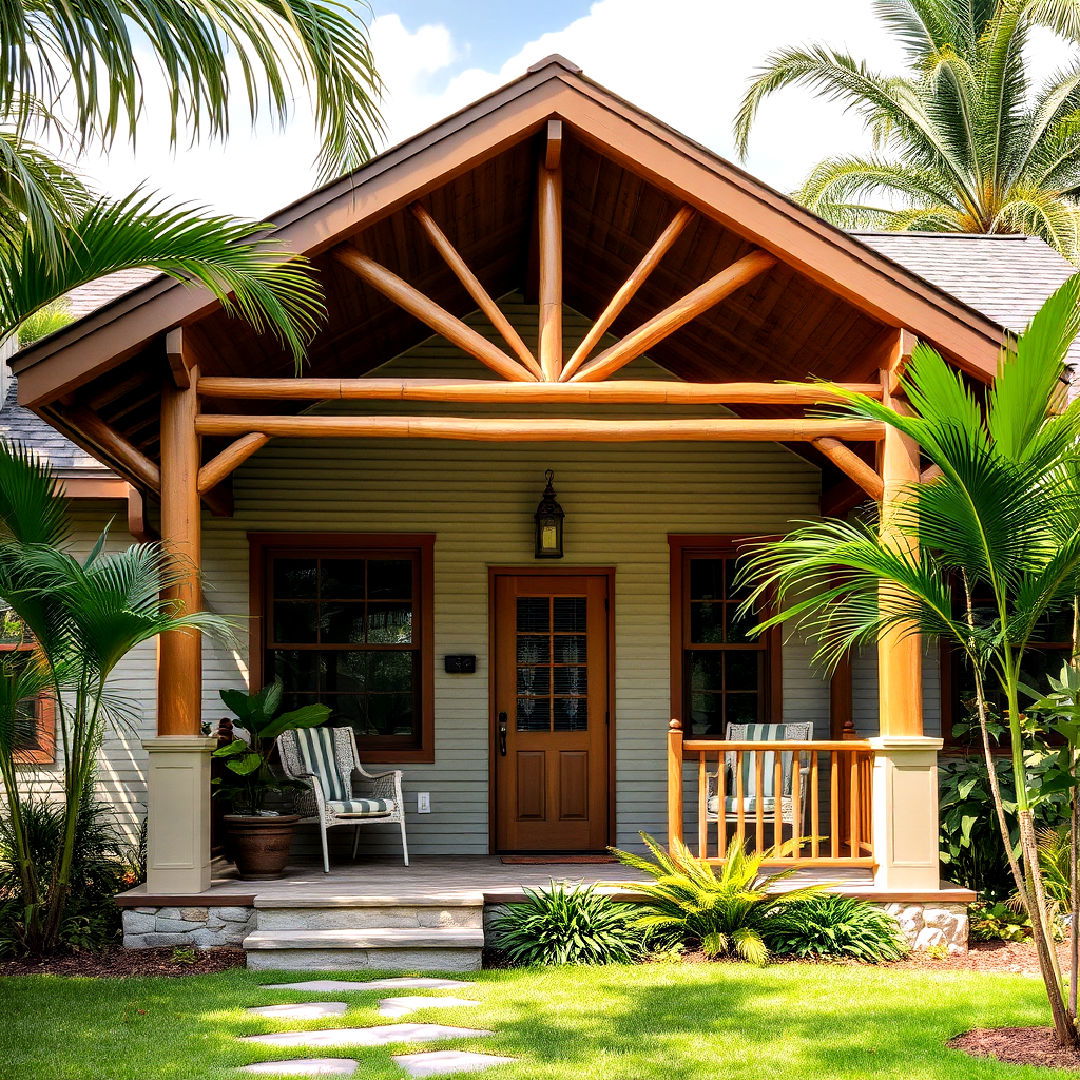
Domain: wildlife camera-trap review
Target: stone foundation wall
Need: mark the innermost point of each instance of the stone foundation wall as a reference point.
(932, 926)
(197, 927)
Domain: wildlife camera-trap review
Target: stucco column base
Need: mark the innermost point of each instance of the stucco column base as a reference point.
(905, 812)
(178, 823)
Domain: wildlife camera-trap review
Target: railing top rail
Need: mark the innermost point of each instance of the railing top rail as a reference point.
(690, 745)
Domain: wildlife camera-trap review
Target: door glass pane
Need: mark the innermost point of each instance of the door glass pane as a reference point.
(534, 681)
(533, 614)
(570, 680)
(570, 649)
(569, 613)
(533, 714)
(571, 714)
(533, 649)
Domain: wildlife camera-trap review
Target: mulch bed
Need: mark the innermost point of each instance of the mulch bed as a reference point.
(1013, 957)
(118, 963)
(1018, 1046)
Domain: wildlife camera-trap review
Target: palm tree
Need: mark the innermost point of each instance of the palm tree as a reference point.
(1003, 520)
(78, 71)
(83, 616)
(964, 142)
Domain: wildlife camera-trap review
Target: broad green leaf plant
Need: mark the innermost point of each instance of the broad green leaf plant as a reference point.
(1003, 520)
(82, 616)
(962, 142)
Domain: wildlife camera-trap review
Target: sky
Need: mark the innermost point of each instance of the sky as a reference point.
(685, 61)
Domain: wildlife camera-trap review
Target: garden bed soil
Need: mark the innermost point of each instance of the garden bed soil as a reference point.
(1016, 957)
(1018, 1046)
(120, 963)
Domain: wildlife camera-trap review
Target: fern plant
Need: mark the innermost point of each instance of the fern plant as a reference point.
(561, 925)
(829, 925)
(727, 909)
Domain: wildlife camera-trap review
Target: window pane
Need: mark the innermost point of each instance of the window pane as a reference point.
(707, 715)
(349, 710)
(390, 623)
(348, 672)
(570, 649)
(569, 613)
(707, 579)
(706, 670)
(393, 671)
(389, 579)
(12, 630)
(295, 579)
(1055, 626)
(533, 714)
(743, 670)
(706, 622)
(742, 708)
(533, 650)
(571, 714)
(342, 579)
(390, 714)
(342, 623)
(532, 615)
(534, 681)
(299, 669)
(739, 624)
(294, 621)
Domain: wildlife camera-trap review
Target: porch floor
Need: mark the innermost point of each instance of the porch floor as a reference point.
(467, 875)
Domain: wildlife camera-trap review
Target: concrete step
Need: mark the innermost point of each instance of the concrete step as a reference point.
(411, 948)
(369, 913)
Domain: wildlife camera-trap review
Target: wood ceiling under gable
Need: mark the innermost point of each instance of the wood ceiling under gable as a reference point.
(779, 326)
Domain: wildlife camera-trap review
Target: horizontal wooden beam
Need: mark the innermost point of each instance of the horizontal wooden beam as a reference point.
(688, 307)
(431, 314)
(847, 461)
(615, 392)
(231, 458)
(546, 430)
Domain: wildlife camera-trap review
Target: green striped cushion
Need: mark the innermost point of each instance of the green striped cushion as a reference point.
(763, 733)
(362, 806)
(316, 747)
(731, 806)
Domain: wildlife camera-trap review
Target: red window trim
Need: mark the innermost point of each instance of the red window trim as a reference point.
(684, 547)
(263, 545)
(43, 750)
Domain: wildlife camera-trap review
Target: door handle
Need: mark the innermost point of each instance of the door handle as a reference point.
(502, 734)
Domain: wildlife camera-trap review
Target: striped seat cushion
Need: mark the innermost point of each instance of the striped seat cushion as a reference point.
(316, 747)
(361, 806)
(731, 806)
(750, 773)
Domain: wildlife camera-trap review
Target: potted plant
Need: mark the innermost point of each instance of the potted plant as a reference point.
(259, 838)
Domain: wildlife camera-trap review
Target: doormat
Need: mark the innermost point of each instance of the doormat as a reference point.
(554, 860)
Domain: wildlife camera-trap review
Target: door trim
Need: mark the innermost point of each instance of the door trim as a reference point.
(533, 570)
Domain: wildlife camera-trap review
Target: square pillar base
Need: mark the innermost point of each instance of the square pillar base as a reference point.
(905, 812)
(178, 826)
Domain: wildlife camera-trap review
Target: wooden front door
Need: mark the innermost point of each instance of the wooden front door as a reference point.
(551, 707)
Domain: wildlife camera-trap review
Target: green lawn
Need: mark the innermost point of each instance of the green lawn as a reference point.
(659, 1022)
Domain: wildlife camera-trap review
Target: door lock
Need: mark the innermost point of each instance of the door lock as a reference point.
(502, 734)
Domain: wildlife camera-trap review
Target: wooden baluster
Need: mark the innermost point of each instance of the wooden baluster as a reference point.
(778, 799)
(740, 800)
(834, 805)
(703, 805)
(853, 802)
(721, 815)
(796, 803)
(815, 809)
(759, 802)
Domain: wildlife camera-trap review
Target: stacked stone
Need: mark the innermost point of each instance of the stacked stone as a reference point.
(194, 927)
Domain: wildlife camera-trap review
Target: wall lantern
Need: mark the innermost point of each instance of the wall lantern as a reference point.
(549, 523)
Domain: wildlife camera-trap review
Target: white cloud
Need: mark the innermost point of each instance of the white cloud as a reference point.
(687, 62)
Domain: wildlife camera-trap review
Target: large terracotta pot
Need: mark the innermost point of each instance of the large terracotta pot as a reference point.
(260, 845)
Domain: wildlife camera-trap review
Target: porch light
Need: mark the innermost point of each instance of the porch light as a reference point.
(549, 523)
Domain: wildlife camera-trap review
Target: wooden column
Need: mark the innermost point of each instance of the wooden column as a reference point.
(899, 651)
(179, 652)
(549, 343)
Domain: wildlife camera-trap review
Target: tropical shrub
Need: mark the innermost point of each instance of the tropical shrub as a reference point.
(561, 925)
(727, 909)
(997, 922)
(831, 925)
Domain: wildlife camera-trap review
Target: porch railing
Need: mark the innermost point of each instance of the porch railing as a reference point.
(720, 794)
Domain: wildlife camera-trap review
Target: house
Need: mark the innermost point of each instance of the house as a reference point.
(549, 289)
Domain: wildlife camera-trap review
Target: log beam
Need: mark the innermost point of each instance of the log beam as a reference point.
(550, 215)
(618, 392)
(231, 458)
(626, 292)
(554, 430)
(179, 359)
(847, 461)
(472, 285)
(431, 314)
(114, 445)
(669, 320)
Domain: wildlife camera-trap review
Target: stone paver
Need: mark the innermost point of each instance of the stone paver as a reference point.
(304, 1067)
(403, 1006)
(444, 1062)
(369, 1036)
(334, 986)
(309, 1010)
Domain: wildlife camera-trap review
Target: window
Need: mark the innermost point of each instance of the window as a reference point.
(719, 674)
(1046, 653)
(346, 621)
(36, 733)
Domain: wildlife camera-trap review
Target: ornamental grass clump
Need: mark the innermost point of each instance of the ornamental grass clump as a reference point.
(727, 910)
(830, 925)
(561, 925)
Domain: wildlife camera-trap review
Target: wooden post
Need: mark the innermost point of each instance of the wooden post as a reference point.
(549, 343)
(675, 782)
(899, 650)
(179, 652)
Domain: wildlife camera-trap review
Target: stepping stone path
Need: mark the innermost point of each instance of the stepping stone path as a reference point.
(438, 1063)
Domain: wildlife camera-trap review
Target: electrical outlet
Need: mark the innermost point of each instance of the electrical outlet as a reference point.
(423, 802)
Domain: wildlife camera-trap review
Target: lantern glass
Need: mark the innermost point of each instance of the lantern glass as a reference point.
(549, 523)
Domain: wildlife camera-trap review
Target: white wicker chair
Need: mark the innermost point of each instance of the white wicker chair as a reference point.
(325, 761)
(764, 733)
